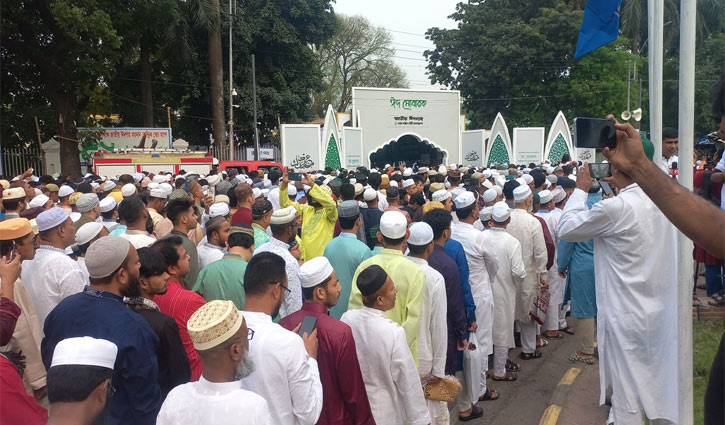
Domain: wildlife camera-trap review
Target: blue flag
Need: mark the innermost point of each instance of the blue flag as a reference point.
(599, 26)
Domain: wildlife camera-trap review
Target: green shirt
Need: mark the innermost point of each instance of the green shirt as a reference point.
(345, 253)
(190, 247)
(409, 279)
(260, 235)
(223, 280)
(81, 221)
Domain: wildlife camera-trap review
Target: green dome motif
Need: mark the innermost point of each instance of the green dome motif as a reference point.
(558, 149)
(499, 154)
(332, 156)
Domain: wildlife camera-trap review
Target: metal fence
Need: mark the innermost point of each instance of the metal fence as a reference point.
(16, 161)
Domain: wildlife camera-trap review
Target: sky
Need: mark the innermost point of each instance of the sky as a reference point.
(407, 21)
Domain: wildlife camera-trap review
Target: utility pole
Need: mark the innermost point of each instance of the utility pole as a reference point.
(655, 29)
(254, 97)
(231, 89)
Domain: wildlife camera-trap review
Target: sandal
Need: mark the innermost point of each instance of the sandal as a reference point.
(508, 377)
(542, 343)
(489, 396)
(476, 412)
(716, 301)
(530, 356)
(577, 358)
(568, 330)
(558, 335)
(695, 301)
(512, 367)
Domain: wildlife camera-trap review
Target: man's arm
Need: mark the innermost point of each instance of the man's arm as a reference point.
(328, 204)
(140, 373)
(459, 256)
(413, 307)
(439, 330)
(304, 384)
(351, 383)
(578, 223)
(407, 381)
(518, 270)
(699, 220)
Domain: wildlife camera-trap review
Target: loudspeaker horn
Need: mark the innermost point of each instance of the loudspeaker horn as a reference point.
(637, 114)
(626, 115)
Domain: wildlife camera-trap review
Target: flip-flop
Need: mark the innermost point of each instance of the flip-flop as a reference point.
(508, 377)
(490, 395)
(544, 343)
(558, 335)
(568, 330)
(577, 358)
(530, 356)
(512, 367)
(476, 412)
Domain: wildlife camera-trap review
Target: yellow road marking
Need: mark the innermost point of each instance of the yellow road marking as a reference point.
(551, 415)
(569, 376)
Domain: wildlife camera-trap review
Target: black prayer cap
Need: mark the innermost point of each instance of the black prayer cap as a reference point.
(370, 280)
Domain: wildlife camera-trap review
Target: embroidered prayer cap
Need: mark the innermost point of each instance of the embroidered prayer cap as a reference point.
(489, 195)
(167, 188)
(545, 196)
(221, 198)
(85, 351)
(558, 194)
(14, 228)
(4, 184)
(370, 280)
(464, 200)
(219, 209)
(52, 187)
(435, 187)
(159, 193)
(431, 206)
(407, 183)
(420, 234)
(242, 228)
(109, 185)
(348, 209)
(500, 212)
(369, 194)
(87, 232)
(485, 213)
(441, 195)
(14, 193)
(87, 202)
(38, 201)
(393, 224)
(522, 192)
(314, 271)
(128, 189)
(51, 218)
(106, 255)
(358, 188)
(283, 215)
(213, 324)
(107, 204)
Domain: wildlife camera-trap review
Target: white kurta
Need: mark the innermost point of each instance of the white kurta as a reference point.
(635, 263)
(483, 266)
(209, 253)
(557, 284)
(527, 230)
(213, 403)
(511, 273)
(138, 238)
(285, 375)
(49, 278)
(273, 198)
(388, 369)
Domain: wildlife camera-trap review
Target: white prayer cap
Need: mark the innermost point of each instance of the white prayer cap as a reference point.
(420, 234)
(65, 190)
(94, 185)
(283, 215)
(432, 172)
(393, 183)
(572, 177)
(74, 216)
(393, 224)
(153, 185)
(522, 192)
(528, 178)
(51, 218)
(521, 181)
(489, 195)
(110, 225)
(291, 190)
(265, 192)
(87, 232)
(550, 170)
(370, 194)
(159, 178)
(306, 188)
(358, 188)
(422, 170)
(408, 183)
(214, 323)
(441, 195)
(487, 173)
(137, 177)
(128, 189)
(500, 181)
(219, 209)
(453, 166)
(109, 185)
(559, 194)
(256, 192)
(352, 181)
(85, 351)
(212, 179)
(314, 271)
(464, 200)
(221, 198)
(407, 172)
(38, 201)
(545, 196)
(106, 255)
(87, 202)
(159, 193)
(167, 188)
(485, 213)
(442, 169)
(487, 184)
(552, 179)
(548, 183)
(500, 212)
(498, 189)
(267, 183)
(107, 204)
(387, 165)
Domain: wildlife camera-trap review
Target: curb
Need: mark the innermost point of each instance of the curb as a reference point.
(552, 412)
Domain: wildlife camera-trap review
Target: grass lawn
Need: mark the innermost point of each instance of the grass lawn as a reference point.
(705, 342)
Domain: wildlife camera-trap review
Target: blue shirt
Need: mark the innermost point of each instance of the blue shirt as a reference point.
(454, 249)
(101, 314)
(345, 253)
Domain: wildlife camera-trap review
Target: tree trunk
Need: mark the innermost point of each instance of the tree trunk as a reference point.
(146, 88)
(217, 80)
(66, 110)
(635, 43)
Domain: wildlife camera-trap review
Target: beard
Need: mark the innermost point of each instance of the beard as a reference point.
(133, 289)
(275, 313)
(245, 367)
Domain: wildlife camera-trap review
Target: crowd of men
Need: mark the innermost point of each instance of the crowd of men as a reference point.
(170, 299)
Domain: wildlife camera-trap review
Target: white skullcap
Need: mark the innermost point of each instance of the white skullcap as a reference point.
(314, 271)
(387, 165)
(527, 178)
(552, 179)
(128, 189)
(256, 192)
(87, 202)
(358, 188)
(408, 183)
(550, 170)
(422, 170)
(521, 181)
(485, 214)
(137, 177)
(442, 169)
(420, 234)
(489, 195)
(110, 225)
(559, 194)
(457, 191)
(283, 215)
(370, 194)
(500, 212)
(85, 351)
(498, 189)
(159, 193)
(65, 190)
(87, 232)
(95, 185)
(432, 172)
(153, 185)
(393, 183)
(464, 200)
(306, 188)
(107, 204)
(291, 190)
(212, 179)
(106, 255)
(548, 183)
(221, 198)
(51, 218)
(522, 192)
(572, 177)
(267, 183)
(500, 181)
(487, 173)
(265, 192)
(393, 224)
(109, 185)
(159, 178)
(407, 172)
(545, 196)
(453, 166)
(38, 201)
(219, 209)
(441, 195)
(167, 188)
(487, 184)
(74, 216)
(352, 181)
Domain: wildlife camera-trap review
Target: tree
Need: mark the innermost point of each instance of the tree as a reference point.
(358, 54)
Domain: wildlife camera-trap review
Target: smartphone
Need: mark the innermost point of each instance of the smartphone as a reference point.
(295, 177)
(606, 188)
(308, 325)
(599, 170)
(594, 133)
(212, 191)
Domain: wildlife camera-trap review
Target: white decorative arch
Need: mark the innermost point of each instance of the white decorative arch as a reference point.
(499, 129)
(407, 133)
(330, 129)
(559, 127)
